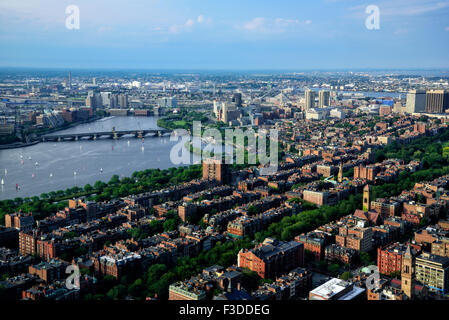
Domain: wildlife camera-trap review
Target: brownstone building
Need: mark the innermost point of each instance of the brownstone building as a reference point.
(272, 258)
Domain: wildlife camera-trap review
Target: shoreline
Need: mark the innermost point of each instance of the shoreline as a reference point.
(35, 141)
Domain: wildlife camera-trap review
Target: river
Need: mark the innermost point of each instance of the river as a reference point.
(62, 165)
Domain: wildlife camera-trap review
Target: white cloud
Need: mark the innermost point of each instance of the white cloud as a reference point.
(265, 25)
(189, 24)
(404, 7)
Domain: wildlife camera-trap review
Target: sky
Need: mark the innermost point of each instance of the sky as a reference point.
(225, 34)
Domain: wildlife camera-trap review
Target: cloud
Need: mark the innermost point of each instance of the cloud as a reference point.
(266, 25)
(189, 24)
(404, 7)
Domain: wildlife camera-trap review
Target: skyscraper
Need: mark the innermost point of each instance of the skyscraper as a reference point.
(123, 101)
(323, 99)
(310, 99)
(237, 99)
(416, 101)
(437, 101)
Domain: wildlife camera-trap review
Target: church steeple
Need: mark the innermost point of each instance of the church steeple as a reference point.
(366, 198)
(408, 272)
(340, 173)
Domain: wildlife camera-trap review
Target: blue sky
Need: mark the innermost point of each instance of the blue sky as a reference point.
(225, 34)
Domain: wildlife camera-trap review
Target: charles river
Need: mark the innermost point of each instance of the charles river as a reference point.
(52, 166)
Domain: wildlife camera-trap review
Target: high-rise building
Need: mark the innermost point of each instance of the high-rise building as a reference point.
(237, 99)
(323, 99)
(215, 169)
(437, 101)
(416, 101)
(310, 99)
(123, 100)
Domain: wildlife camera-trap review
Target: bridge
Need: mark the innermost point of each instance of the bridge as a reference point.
(140, 134)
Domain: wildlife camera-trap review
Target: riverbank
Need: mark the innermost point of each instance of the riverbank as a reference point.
(17, 145)
(36, 139)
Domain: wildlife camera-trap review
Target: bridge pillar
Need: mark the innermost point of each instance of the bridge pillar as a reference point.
(115, 136)
(76, 138)
(59, 139)
(139, 134)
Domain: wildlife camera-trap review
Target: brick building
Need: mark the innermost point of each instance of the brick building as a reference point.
(272, 258)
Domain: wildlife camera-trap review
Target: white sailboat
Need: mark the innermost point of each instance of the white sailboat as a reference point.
(36, 164)
(74, 173)
(101, 169)
(6, 172)
(3, 182)
(51, 175)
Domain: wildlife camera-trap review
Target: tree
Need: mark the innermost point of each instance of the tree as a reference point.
(365, 258)
(346, 275)
(334, 269)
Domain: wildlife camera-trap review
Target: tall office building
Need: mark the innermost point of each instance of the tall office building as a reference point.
(324, 99)
(237, 99)
(416, 101)
(123, 101)
(310, 99)
(437, 101)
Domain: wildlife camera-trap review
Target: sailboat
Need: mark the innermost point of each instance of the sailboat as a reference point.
(29, 158)
(51, 175)
(6, 172)
(101, 169)
(36, 164)
(128, 143)
(74, 173)
(3, 182)
(32, 176)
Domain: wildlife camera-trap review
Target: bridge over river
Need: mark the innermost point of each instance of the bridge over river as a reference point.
(140, 134)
